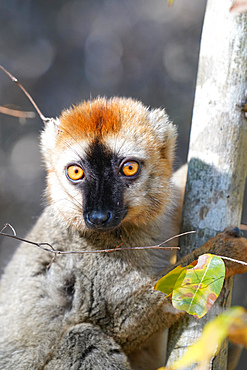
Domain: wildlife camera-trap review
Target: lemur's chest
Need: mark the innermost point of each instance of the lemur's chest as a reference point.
(93, 287)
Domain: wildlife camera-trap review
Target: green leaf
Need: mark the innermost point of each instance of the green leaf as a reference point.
(166, 283)
(197, 288)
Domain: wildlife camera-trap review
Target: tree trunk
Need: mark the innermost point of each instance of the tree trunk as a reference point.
(217, 153)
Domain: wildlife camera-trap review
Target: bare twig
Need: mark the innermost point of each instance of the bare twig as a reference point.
(40, 245)
(8, 225)
(14, 79)
(16, 113)
(118, 248)
(233, 260)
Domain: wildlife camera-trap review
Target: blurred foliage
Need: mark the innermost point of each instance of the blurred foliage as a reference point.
(232, 324)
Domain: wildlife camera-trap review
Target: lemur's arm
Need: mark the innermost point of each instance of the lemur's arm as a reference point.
(228, 243)
(147, 311)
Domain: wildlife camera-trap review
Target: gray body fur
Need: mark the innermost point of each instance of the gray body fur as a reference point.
(80, 311)
(94, 311)
(99, 311)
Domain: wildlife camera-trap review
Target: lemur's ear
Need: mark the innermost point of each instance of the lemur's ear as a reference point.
(165, 131)
(49, 137)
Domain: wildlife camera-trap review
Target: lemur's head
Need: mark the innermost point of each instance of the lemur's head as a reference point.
(109, 162)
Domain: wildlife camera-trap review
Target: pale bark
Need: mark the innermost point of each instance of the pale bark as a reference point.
(218, 149)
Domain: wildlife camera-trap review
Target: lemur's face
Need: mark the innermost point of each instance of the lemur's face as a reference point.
(109, 162)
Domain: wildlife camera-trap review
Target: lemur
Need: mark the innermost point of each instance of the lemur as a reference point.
(109, 184)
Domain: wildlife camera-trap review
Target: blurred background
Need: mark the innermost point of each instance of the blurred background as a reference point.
(65, 51)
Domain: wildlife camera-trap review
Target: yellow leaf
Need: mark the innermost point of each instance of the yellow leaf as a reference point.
(211, 339)
(237, 332)
(167, 282)
(170, 2)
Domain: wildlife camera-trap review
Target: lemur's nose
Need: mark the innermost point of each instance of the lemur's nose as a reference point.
(99, 218)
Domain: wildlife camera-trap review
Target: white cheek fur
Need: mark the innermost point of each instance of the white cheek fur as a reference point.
(65, 196)
(66, 200)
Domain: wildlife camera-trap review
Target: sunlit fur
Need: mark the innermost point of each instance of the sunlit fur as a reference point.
(95, 310)
(128, 129)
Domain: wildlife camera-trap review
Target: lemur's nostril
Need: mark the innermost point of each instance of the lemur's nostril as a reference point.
(99, 218)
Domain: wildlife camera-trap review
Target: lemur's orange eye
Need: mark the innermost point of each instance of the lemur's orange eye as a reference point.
(130, 168)
(75, 172)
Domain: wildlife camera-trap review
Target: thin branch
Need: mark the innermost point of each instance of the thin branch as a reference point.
(178, 236)
(118, 248)
(40, 245)
(233, 260)
(52, 250)
(16, 113)
(11, 227)
(14, 79)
